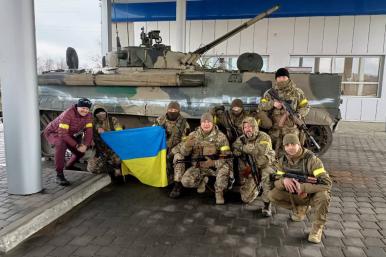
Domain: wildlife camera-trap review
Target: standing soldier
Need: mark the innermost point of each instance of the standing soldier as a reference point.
(254, 147)
(105, 159)
(64, 131)
(176, 128)
(291, 194)
(207, 141)
(282, 123)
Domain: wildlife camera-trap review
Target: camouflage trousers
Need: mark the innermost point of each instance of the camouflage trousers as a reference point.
(319, 202)
(193, 177)
(104, 164)
(178, 168)
(248, 189)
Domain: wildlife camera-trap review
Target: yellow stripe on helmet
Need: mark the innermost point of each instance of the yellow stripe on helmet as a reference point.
(319, 171)
(89, 125)
(64, 126)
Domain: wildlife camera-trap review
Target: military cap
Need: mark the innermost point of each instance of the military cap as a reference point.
(206, 116)
(174, 105)
(291, 139)
(237, 103)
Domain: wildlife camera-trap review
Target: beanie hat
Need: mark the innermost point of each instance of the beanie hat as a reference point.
(282, 72)
(237, 103)
(84, 102)
(206, 116)
(291, 139)
(174, 105)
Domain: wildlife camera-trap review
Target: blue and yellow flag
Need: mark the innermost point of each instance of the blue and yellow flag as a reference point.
(143, 153)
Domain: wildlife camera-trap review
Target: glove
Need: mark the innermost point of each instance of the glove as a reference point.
(208, 163)
(248, 148)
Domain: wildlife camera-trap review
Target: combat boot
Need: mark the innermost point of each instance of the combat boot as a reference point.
(176, 192)
(202, 185)
(299, 214)
(315, 235)
(267, 212)
(61, 180)
(219, 197)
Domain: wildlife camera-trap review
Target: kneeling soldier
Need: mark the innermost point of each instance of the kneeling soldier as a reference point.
(302, 181)
(205, 142)
(254, 148)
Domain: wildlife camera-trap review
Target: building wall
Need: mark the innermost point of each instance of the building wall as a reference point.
(279, 38)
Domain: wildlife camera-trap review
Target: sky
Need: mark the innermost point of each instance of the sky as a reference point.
(63, 23)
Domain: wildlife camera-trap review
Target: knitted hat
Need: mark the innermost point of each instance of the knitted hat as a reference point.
(291, 139)
(282, 72)
(84, 102)
(206, 116)
(174, 105)
(237, 103)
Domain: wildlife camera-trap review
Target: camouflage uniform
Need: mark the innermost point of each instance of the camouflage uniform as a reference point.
(176, 130)
(207, 144)
(282, 124)
(105, 159)
(259, 146)
(318, 195)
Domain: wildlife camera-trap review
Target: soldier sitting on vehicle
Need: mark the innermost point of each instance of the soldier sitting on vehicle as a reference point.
(301, 181)
(176, 127)
(254, 151)
(209, 150)
(105, 160)
(64, 132)
(282, 122)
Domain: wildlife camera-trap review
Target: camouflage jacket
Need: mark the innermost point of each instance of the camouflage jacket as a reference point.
(293, 95)
(109, 124)
(230, 123)
(262, 154)
(175, 130)
(206, 144)
(306, 164)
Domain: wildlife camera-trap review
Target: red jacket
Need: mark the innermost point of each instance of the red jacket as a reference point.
(67, 124)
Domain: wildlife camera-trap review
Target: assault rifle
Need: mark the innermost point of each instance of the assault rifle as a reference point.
(255, 173)
(294, 116)
(300, 178)
(203, 158)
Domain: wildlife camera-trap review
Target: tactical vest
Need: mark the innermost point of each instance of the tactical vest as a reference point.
(300, 168)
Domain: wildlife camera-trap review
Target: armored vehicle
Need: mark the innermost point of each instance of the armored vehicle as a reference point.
(138, 82)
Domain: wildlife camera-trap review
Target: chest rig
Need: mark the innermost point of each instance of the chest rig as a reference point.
(299, 168)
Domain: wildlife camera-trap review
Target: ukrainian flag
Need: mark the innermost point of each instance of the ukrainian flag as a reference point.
(142, 151)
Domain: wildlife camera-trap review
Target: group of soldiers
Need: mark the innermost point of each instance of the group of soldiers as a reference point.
(228, 145)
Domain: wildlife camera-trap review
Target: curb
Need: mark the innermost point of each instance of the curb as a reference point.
(18, 231)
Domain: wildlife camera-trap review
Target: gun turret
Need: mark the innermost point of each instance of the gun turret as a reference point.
(191, 58)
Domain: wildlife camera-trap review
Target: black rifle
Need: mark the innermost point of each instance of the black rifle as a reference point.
(203, 158)
(255, 173)
(299, 178)
(294, 116)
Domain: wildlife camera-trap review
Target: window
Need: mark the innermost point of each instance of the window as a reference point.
(361, 75)
(226, 62)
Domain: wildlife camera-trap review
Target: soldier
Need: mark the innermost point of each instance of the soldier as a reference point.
(64, 131)
(105, 159)
(291, 194)
(206, 141)
(258, 145)
(282, 123)
(176, 128)
(231, 121)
